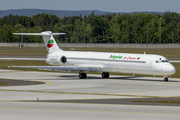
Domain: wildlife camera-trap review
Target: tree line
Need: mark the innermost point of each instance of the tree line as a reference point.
(109, 28)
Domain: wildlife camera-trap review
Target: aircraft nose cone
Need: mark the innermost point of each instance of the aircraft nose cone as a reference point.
(171, 69)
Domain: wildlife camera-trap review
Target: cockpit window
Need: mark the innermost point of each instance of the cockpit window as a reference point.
(157, 61)
(162, 61)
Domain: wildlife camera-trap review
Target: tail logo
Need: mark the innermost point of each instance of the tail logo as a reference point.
(50, 43)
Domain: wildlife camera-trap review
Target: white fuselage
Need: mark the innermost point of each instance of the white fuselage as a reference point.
(118, 62)
(100, 61)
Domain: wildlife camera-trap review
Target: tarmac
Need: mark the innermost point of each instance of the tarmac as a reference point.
(53, 95)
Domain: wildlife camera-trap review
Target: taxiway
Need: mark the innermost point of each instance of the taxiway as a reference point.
(52, 95)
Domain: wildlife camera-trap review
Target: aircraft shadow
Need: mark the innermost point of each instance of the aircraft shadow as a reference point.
(141, 78)
(68, 76)
(130, 78)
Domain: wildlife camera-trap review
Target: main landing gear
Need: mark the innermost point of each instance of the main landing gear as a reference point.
(105, 75)
(83, 75)
(166, 79)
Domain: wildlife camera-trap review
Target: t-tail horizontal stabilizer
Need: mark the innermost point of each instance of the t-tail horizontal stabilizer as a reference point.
(48, 38)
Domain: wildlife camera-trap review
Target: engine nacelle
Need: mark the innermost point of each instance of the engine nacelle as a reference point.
(56, 60)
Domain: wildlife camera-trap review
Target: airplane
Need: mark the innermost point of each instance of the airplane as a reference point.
(105, 62)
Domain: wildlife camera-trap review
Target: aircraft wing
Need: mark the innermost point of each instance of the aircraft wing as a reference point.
(68, 68)
(15, 58)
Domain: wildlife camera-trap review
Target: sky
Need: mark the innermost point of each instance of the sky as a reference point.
(103, 5)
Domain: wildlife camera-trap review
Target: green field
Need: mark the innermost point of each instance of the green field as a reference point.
(41, 52)
(172, 53)
(3, 83)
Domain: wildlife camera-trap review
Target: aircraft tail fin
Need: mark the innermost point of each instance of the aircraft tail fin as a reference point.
(48, 38)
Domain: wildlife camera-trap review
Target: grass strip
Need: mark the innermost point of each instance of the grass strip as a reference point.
(3, 83)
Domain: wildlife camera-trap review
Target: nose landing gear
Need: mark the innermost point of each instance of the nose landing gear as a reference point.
(166, 78)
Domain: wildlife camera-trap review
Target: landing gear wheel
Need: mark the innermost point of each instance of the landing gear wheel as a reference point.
(82, 75)
(105, 75)
(166, 79)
